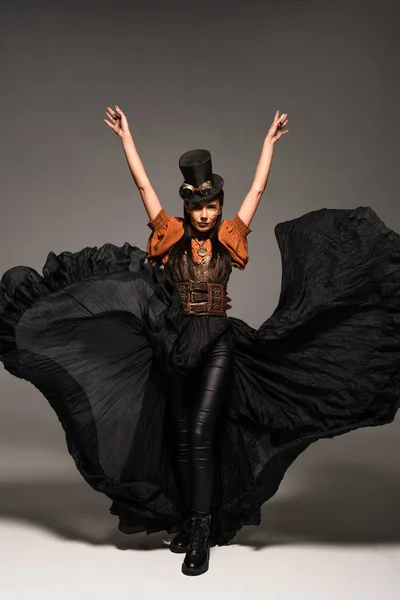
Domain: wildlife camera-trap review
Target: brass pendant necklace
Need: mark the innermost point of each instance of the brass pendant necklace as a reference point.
(201, 251)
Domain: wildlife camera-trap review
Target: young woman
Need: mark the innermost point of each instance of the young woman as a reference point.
(198, 251)
(185, 417)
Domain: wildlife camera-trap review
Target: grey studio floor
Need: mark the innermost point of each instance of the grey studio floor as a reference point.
(332, 530)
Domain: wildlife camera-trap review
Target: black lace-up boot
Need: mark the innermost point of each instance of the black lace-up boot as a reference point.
(198, 553)
(180, 542)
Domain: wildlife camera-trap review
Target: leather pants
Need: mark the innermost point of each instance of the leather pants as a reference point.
(196, 402)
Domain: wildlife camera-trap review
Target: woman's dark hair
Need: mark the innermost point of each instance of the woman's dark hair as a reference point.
(184, 244)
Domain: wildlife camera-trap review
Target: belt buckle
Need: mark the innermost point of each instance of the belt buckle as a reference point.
(190, 300)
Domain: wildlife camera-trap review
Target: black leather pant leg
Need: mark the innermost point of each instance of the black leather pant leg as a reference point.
(212, 387)
(196, 404)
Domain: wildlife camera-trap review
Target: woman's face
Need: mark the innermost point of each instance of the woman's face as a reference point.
(204, 215)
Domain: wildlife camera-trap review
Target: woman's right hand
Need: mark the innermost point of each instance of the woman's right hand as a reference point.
(117, 122)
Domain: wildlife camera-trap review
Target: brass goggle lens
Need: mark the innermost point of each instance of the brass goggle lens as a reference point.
(204, 189)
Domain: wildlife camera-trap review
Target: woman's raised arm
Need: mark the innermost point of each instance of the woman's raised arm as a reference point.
(118, 122)
(251, 201)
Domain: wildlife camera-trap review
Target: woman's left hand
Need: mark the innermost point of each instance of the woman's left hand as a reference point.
(276, 130)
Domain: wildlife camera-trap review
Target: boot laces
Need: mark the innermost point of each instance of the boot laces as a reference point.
(198, 535)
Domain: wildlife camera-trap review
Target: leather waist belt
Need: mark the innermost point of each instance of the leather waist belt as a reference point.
(204, 298)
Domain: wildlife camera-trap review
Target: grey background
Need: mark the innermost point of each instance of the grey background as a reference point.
(195, 74)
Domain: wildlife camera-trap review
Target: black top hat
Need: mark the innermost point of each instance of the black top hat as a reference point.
(196, 169)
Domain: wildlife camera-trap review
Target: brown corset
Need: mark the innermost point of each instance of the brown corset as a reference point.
(206, 294)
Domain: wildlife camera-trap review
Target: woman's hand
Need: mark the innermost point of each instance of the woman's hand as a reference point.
(117, 122)
(251, 201)
(275, 131)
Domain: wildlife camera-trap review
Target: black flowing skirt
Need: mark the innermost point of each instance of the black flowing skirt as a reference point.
(101, 332)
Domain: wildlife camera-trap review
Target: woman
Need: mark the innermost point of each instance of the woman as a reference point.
(202, 239)
(186, 418)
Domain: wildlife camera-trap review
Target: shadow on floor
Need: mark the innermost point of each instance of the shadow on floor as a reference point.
(340, 504)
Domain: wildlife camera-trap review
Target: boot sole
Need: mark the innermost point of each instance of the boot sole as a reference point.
(178, 549)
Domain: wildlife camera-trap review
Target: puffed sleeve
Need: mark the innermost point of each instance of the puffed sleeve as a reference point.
(232, 234)
(166, 231)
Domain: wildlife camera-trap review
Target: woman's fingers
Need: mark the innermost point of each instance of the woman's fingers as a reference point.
(120, 112)
(111, 117)
(113, 120)
(280, 120)
(116, 120)
(111, 113)
(109, 124)
(283, 123)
